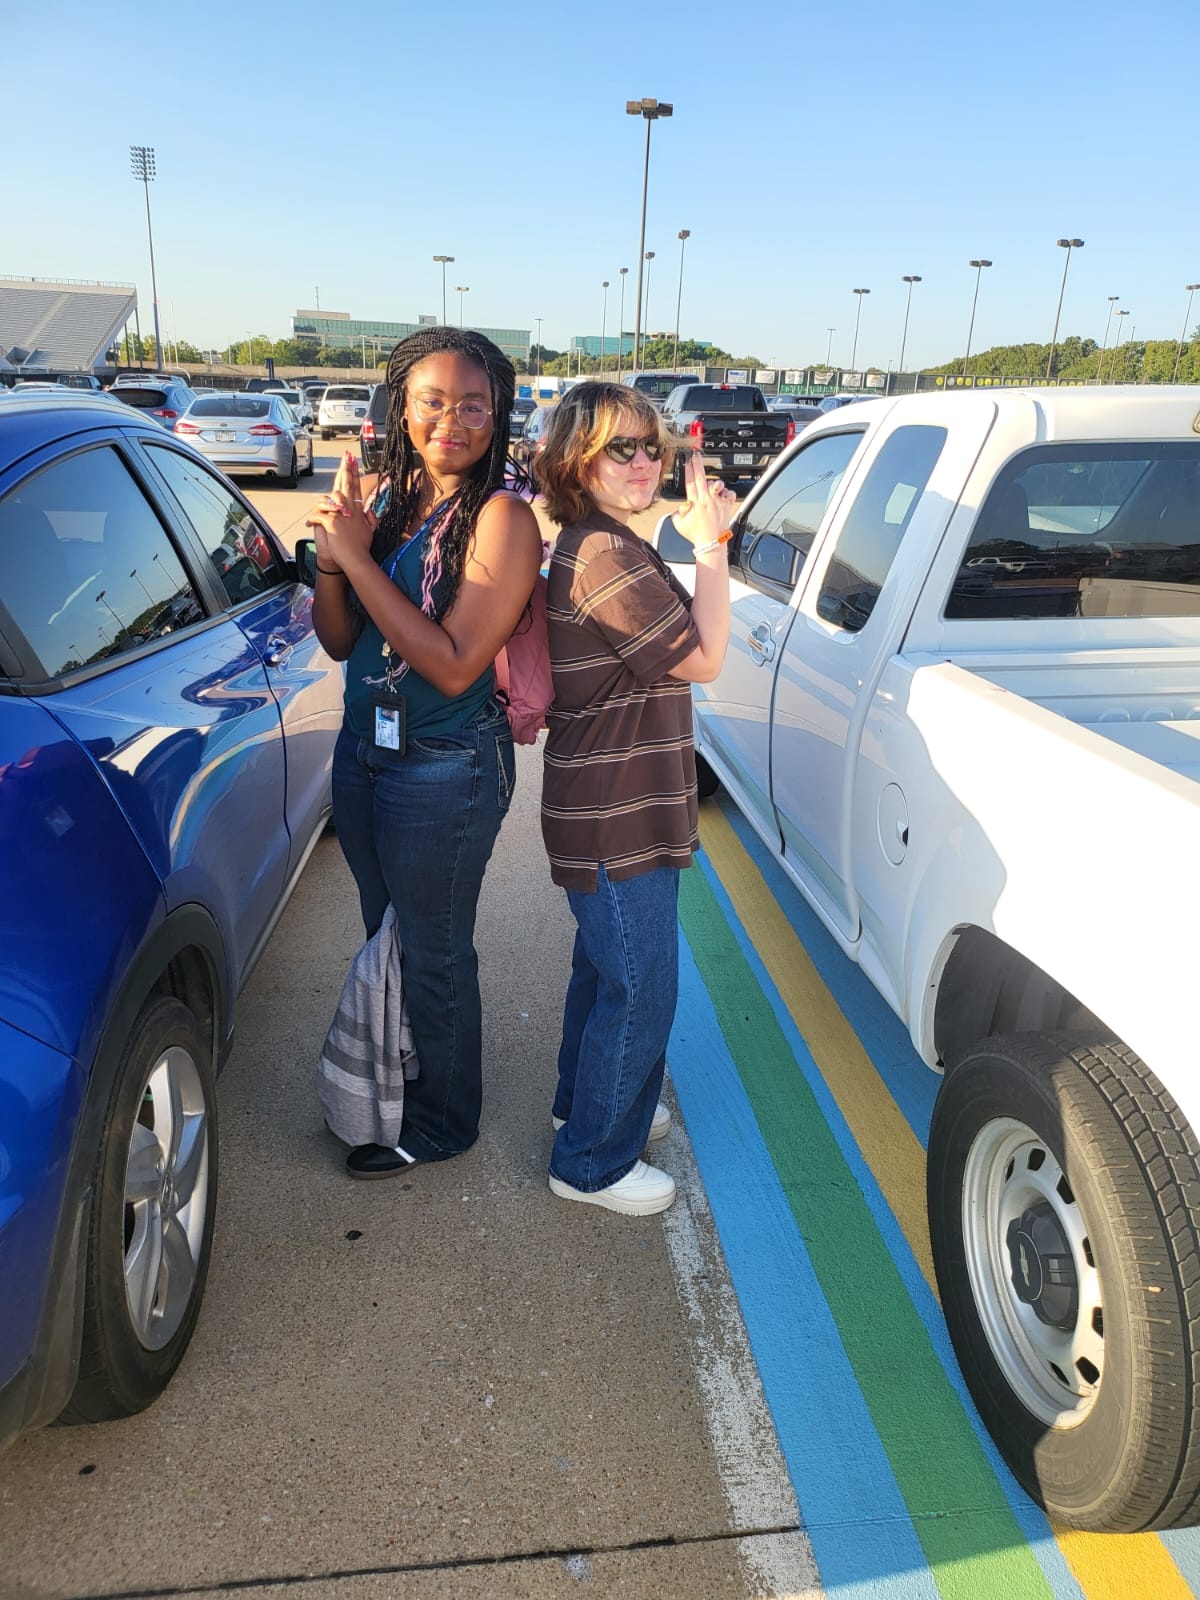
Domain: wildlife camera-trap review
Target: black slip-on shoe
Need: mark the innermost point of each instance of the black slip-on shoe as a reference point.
(377, 1161)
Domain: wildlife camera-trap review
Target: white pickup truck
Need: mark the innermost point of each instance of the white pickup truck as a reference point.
(961, 704)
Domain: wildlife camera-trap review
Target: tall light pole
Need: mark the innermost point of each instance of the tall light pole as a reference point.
(461, 289)
(857, 316)
(250, 349)
(684, 235)
(141, 164)
(1068, 245)
(979, 266)
(1112, 365)
(443, 260)
(1187, 317)
(649, 259)
(623, 273)
(909, 278)
(829, 344)
(1112, 300)
(651, 110)
(603, 326)
(539, 321)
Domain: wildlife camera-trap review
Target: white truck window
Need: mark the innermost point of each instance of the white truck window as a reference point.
(875, 525)
(789, 511)
(1087, 530)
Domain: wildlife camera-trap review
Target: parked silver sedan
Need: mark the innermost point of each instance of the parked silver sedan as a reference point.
(256, 433)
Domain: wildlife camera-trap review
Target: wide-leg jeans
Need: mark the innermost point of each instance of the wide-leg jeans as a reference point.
(417, 829)
(616, 1021)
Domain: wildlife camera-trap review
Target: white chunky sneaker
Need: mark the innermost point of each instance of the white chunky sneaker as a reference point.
(640, 1193)
(660, 1125)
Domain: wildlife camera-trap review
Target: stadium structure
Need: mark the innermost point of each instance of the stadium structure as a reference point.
(61, 325)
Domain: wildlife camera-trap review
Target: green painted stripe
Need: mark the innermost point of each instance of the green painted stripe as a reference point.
(970, 1536)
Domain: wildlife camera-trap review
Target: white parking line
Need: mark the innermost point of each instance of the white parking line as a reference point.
(775, 1565)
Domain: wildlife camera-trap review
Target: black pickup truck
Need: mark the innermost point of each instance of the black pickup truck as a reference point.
(731, 425)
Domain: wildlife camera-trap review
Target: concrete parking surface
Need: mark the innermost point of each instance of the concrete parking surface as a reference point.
(449, 1384)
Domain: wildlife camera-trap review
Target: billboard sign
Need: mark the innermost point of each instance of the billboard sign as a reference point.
(737, 375)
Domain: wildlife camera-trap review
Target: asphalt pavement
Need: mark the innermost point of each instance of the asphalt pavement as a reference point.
(449, 1383)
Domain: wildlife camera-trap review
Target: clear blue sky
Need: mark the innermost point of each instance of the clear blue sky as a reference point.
(838, 146)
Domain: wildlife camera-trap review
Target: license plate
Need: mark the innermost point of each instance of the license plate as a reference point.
(743, 461)
(360, 411)
(226, 438)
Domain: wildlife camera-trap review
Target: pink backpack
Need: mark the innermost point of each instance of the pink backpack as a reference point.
(523, 678)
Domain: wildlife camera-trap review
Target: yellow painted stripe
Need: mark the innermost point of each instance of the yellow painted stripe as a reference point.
(1106, 1566)
(889, 1146)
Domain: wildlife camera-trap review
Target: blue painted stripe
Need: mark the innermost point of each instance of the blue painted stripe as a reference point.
(1031, 1519)
(861, 1532)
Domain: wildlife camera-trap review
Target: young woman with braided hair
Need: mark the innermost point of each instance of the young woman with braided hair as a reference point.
(417, 595)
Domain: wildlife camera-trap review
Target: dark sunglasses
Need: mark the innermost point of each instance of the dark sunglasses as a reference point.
(623, 450)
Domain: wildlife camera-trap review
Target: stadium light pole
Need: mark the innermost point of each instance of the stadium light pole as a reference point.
(651, 110)
(829, 344)
(684, 235)
(603, 326)
(141, 164)
(1112, 365)
(1112, 300)
(444, 260)
(649, 259)
(857, 316)
(623, 273)
(1068, 245)
(1187, 317)
(979, 266)
(909, 279)
(461, 289)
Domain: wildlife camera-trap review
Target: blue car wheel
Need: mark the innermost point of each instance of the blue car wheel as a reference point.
(152, 1220)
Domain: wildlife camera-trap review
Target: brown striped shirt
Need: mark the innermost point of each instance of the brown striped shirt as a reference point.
(620, 773)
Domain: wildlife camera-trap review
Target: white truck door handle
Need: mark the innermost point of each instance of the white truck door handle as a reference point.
(761, 643)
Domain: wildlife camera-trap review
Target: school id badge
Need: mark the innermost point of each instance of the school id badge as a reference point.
(389, 722)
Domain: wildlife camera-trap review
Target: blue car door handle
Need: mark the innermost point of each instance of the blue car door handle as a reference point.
(761, 643)
(277, 651)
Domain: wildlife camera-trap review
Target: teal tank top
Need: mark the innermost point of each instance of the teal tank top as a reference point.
(428, 711)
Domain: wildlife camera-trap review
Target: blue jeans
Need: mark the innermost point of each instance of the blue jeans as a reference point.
(417, 829)
(618, 1014)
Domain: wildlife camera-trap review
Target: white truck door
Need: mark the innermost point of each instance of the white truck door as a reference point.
(772, 538)
(857, 598)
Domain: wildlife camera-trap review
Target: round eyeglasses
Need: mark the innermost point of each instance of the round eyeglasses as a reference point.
(431, 408)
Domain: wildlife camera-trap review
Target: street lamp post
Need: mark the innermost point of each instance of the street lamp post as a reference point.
(651, 110)
(461, 289)
(646, 335)
(829, 344)
(249, 349)
(684, 235)
(623, 273)
(1112, 300)
(1068, 245)
(444, 260)
(603, 326)
(979, 266)
(857, 316)
(1187, 317)
(141, 164)
(1112, 365)
(539, 321)
(909, 279)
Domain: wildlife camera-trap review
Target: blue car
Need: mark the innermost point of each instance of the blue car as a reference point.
(167, 721)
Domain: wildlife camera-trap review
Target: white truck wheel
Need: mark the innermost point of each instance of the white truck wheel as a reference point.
(1063, 1191)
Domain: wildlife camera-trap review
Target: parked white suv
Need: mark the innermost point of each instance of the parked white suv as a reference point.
(343, 409)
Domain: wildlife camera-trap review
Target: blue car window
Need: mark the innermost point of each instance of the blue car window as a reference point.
(244, 557)
(89, 570)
